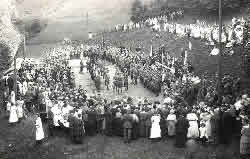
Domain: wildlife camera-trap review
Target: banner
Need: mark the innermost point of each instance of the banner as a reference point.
(190, 45)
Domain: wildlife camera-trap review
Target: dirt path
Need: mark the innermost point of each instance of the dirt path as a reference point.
(134, 91)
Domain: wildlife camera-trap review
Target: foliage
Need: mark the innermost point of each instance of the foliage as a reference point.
(34, 27)
(9, 37)
(4, 58)
(137, 11)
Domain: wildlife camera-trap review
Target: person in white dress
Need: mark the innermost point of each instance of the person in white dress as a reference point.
(8, 108)
(20, 114)
(193, 130)
(25, 87)
(39, 130)
(13, 97)
(56, 114)
(155, 132)
(13, 114)
(171, 121)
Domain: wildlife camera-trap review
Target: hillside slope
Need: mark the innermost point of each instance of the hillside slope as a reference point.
(198, 56)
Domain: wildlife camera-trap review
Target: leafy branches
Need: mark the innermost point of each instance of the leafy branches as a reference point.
(4, 58)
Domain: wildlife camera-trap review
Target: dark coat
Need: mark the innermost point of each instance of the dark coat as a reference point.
(181, 127)
(127, 121)
(215, 128)
(227, 127)
(77, 130)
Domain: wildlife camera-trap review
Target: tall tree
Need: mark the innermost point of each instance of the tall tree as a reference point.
(136, 11)
(10, 38)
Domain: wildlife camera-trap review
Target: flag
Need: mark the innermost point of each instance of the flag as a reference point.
(173, 61)
(151, 51)
(190, 45)
(185, 58)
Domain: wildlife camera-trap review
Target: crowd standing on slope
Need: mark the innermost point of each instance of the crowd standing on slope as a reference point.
(189, 110)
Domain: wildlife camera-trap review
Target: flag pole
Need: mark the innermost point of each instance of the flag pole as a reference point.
(24, 46)
(220, 55)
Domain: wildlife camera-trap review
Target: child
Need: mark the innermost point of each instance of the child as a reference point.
(39, 130)
(203, 133)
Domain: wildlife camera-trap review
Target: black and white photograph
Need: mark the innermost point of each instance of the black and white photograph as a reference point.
(124, 79)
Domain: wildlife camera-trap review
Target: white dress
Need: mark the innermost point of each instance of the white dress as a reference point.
(25, 87)
(193, 130)
(8, 106)
(13, 97)
(13, 114)
(155, 129)
(39, 129)
(57, 117)
(20, 109)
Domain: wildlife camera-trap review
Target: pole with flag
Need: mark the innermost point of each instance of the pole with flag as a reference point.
(220, 55)
(24, 46)
(190, 45)
(151, 51)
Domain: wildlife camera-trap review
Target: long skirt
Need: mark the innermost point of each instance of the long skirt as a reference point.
(180, 139)
(13, 118)
(77, 132)
(155, 131)
(171, 128)
(245, 145)
(209, 130)
(193, 130)
(39, 133)
(117, 127)
(142, 128)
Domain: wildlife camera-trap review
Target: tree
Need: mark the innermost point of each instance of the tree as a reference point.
(5, 58)
(33, 27)
(136, 11)
(9, 37)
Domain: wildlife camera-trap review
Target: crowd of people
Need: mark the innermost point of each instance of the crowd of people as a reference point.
(190, 109)
(172, 15)
(232, 34)
(204, 118)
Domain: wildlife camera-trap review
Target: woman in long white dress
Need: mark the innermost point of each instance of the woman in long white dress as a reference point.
(13, 118)
(25, 87)
(20, 109)
(193, 130)
(155, 132)
(171, 121)
(39, 130)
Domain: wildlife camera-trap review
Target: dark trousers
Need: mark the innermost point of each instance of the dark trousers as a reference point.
(50, 129)
(203, 140)
(147, 131)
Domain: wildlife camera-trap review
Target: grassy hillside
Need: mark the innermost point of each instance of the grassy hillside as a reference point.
(198, 56)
